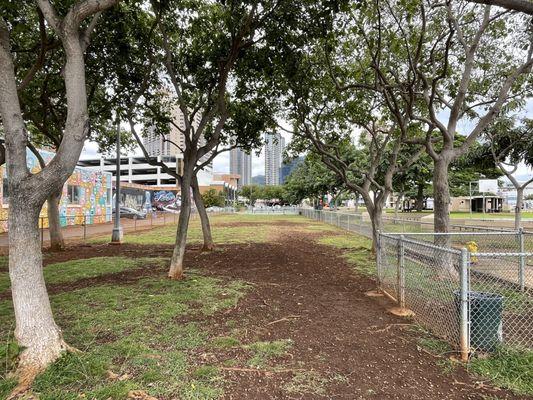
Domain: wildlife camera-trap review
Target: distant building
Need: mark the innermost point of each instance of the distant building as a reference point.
(240, 163)
(171, 144)
(274, 147)
(135, 169)
(287, 168)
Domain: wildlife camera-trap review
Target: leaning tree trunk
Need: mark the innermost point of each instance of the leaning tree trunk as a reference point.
(36, 331)
(204, 218)
(518, 209)
(176, 262)
(57, 242)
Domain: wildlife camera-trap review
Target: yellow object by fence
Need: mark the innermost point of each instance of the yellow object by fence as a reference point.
(472, 247)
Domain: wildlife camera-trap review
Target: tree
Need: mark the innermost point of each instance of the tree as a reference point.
(525, 6)
(252, 193)
(509, 146)
(36, 330)
(42, 90)
(212, 198)
(203, 47)
(452, 63)
(311, 179)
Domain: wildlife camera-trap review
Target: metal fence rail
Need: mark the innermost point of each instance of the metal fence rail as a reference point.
(473, 289)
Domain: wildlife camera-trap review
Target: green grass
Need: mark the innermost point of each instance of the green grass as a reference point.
(247, 232)
(263, 352)
(508, 368)
(357, 251)
(74, 270)
(132, 332)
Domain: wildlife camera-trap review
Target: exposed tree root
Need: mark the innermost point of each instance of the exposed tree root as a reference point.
(29, 369)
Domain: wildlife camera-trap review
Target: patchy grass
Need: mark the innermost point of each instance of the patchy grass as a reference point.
(307, 382)
(263, 352)
(245, 228)
(132, 336)
(508, 368)
(75, 270)
(357, 251)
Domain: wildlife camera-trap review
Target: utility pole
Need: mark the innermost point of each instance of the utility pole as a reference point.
(116, 236)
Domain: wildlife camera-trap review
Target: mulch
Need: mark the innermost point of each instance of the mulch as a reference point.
(309, 294)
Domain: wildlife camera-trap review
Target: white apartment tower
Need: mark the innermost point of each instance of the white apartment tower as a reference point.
(241, 163)
(274, 147)
(171, 144)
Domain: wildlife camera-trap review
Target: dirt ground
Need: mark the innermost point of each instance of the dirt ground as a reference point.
(348, 344)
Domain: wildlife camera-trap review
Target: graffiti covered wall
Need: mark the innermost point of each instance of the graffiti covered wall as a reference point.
(86, 195)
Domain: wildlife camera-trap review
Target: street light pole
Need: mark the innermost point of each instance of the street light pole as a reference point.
(116, 236)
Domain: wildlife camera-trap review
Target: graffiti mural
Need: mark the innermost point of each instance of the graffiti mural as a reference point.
(86, 195)
(136, 198)
(166, 199)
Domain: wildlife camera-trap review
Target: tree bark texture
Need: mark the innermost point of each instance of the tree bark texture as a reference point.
(204, 218)
(57, 243)
(176, 262)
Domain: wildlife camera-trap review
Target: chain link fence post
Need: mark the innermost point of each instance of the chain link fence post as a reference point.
(463, 314)
(521, 259)
(401, 272)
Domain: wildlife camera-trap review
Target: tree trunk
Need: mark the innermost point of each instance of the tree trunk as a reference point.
(176, 262)
(356, 203)
(36, 330)
(518, 209)
(419, 206)
(57, 242)
(204, 218)
(376, 217)
(441, 196)
(441, 193)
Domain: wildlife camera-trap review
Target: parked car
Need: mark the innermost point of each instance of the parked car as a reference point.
(127, 212)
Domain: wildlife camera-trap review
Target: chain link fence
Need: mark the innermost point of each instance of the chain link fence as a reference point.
(82, 227)
(473, 289)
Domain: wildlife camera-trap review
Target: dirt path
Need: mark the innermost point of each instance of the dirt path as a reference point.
(306, 293)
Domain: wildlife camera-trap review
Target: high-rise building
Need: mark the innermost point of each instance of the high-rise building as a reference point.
(241, 163)
(173, 143)
(274, 147)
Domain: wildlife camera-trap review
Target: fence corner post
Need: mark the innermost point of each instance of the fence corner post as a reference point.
(521, 259)
(464, 334)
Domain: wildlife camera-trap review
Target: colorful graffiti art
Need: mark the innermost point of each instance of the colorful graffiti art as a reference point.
(89, 200)
(165, 199)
